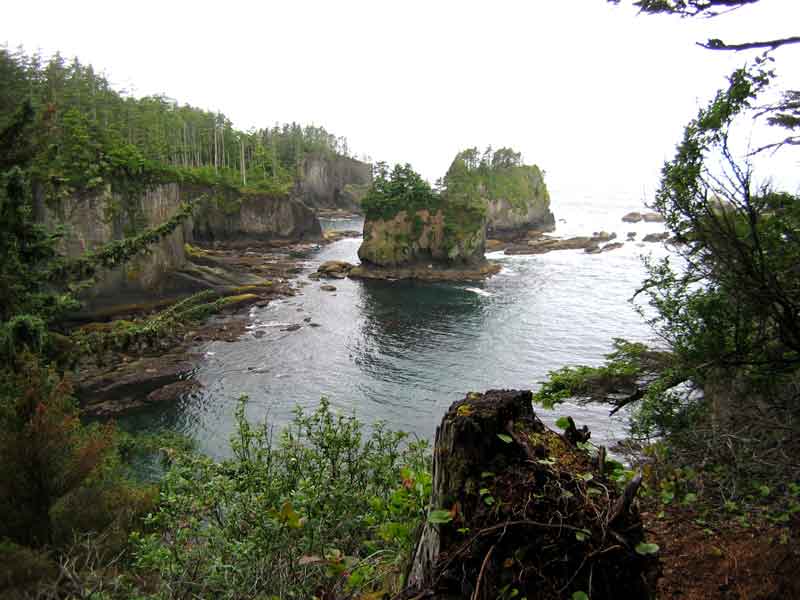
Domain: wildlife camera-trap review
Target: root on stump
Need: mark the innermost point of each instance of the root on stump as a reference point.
(529, 514)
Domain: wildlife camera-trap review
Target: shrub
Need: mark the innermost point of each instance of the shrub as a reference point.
(324, 504)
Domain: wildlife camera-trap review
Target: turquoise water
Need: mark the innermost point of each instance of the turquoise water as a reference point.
(404, 351)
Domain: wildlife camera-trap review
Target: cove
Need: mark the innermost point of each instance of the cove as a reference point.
(403, 351)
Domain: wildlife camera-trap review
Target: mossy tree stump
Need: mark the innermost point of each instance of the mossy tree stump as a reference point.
(518, 511)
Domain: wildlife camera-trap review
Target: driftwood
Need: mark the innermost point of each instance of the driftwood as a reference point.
(528, 511)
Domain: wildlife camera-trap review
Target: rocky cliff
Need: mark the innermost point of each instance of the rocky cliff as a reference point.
(333, 182)
(90, 221)
(513, 194)
(520, 202)
(421, 237)
(412, 231)
(228, 215)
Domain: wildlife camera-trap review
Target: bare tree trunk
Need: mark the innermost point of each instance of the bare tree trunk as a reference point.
(244, 169)
(519, 506)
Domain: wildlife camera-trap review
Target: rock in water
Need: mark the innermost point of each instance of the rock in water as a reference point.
(517, 506)
(655, 237)
(336, 269)
(632, 217)
(652, 217)
(410, 230)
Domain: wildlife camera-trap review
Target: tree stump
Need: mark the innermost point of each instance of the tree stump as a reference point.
(518, 510)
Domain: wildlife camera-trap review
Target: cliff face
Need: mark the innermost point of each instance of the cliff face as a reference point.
(227, 216)
(421, 237)
(334, 182)
(91, 221)
(518, 202)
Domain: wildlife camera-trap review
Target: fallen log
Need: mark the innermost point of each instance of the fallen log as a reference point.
(518, 510)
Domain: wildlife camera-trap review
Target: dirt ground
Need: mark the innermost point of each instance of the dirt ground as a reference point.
(728, 562)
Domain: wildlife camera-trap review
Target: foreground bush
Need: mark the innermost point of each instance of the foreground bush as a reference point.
(324, 508)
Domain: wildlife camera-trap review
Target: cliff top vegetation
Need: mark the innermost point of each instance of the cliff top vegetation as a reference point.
(86, 135)
(494, 175)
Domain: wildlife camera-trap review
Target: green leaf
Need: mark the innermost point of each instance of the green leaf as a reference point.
(562, 422)
(506, 438)
(579, 596)
(644, 549)
(440, 516)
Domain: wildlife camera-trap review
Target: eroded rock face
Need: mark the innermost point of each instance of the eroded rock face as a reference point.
(507, 217)
(256, 216)
(92, 221)
(421, 237)
(334, 182)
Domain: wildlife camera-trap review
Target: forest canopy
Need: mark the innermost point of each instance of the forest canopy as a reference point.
(87, 134)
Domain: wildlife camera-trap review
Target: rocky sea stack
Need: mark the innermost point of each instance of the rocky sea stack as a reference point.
(412, 231)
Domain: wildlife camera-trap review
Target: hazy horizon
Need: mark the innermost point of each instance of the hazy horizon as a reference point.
(596, 95)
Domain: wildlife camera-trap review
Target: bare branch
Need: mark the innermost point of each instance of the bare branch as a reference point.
(793, 140)
(716, 44)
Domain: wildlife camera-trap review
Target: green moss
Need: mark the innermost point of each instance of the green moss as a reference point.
(194, 251)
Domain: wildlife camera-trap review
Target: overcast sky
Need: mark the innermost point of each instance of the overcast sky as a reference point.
(593, 93)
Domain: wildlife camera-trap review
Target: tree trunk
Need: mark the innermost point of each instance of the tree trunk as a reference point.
(528, 511)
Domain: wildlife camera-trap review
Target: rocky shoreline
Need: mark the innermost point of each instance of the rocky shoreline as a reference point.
(428, 272)
(252, 273)
(247, 273)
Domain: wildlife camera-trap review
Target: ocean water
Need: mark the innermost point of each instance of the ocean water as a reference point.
(402, 352)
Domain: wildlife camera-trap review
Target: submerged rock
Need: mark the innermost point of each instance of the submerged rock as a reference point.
(328, 288)
(549, 244)
(173, 391)
(597, 249)
(131, 384)
(655, 237)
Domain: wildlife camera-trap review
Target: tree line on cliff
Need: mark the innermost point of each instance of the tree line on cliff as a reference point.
(88, 134)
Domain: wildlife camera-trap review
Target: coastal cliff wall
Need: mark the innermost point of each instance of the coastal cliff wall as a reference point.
(229, 215)
(336, 182)
(90, 221)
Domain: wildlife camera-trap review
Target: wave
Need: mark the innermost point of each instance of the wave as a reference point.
(478, 291)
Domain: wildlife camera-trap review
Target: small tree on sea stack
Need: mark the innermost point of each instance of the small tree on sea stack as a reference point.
(520, 511)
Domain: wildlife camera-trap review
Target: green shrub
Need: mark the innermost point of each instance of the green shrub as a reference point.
(324, 504)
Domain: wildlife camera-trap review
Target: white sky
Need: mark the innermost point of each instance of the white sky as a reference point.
(593, 93)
